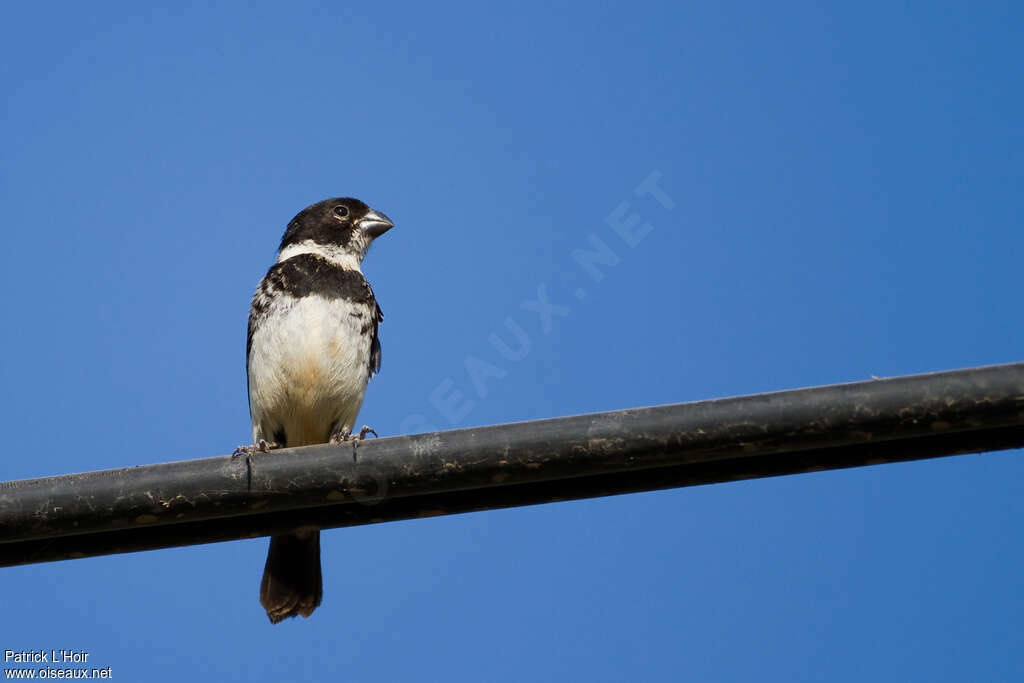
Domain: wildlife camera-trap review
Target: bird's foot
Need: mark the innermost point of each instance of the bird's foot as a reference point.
(261, 446)
(346, 436)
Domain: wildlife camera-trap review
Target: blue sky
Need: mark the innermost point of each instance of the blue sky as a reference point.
(840, 198)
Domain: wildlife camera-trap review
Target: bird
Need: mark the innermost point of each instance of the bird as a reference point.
(312, 347)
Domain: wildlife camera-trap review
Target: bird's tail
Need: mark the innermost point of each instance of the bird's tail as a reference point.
(292, 583)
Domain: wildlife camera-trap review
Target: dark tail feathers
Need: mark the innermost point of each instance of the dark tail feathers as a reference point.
(292, 583)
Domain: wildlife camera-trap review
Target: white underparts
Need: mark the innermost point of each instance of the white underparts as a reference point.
(308, 366)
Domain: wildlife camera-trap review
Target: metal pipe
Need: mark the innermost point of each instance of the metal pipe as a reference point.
(223, 498)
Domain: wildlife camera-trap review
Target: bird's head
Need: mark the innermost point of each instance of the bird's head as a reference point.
(339, 229)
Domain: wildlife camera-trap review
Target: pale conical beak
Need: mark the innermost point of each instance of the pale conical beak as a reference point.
(375, 224)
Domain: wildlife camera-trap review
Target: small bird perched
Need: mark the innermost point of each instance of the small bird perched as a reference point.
(311, 349)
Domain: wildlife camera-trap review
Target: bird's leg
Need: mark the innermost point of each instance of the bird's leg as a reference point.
(261, 446)
(345, 435)
(341, 436)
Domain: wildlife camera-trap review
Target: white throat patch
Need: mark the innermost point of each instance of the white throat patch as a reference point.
(334, 254)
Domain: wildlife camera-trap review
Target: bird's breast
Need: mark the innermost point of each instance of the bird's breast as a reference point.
(309, 365)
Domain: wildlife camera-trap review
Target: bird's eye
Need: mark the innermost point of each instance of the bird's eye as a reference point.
(341, 211)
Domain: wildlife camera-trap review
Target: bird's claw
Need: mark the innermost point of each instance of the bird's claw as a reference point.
(261, 446)
(347, 436)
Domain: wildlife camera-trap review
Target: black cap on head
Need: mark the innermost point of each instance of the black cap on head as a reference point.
(340, 222)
